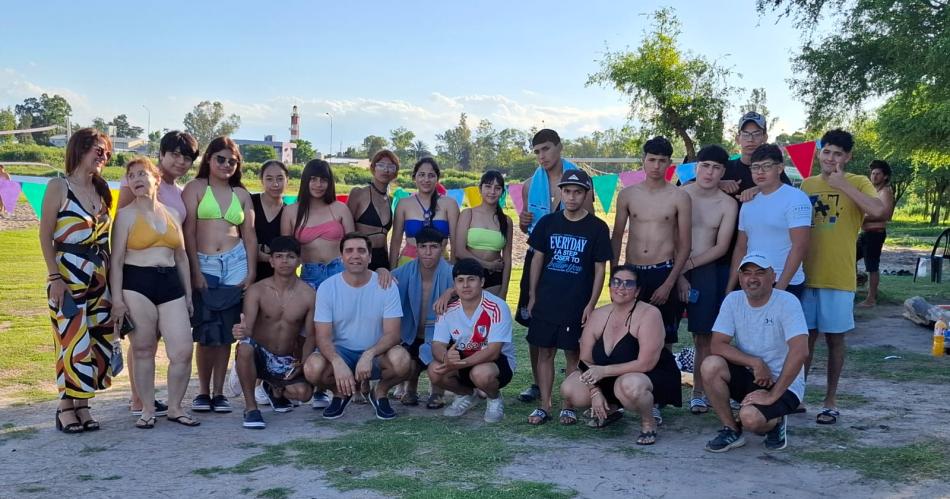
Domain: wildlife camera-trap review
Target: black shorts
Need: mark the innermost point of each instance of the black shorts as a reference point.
(493, 278)
(521, 315)
(742, 383)
(504, 373)
(273, 368)
(414, 352)
(869, 248)
(379, 259)
(702, 314)
(651, 277)
(158, 284)
(544, 334)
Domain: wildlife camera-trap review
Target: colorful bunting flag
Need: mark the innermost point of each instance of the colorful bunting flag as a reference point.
(343, 198)
(400, 193)
(115, 202)
(632, 178)
(503, 200)
(516, 199)
(669, 173)
(686, 172)
(9, 193)
(802, 156)
(735, 156)
(290, 199)
(457, 194)
(604, 188)
(34, 196)
(473, 195)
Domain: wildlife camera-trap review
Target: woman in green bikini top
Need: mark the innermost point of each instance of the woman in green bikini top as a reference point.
(484, 233)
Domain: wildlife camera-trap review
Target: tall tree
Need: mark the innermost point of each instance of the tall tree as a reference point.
(7, 122)
(484, 147)
(45, 111)
(401, 140)
(207, 121)
(304, 151)
(671, 90)
(758, 103)
(124, 129)
(455, 145)
(257, 153)
(100, 124)
(372, 144)
(26, 122)
(419, 150)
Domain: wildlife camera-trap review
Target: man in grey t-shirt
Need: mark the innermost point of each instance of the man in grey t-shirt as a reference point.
(357, 333)
(759, 347)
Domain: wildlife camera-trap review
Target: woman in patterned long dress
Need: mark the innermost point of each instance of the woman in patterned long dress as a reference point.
(74, 238)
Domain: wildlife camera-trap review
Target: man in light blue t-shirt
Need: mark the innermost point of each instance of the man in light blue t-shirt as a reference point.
(759, 347)
(357, 331)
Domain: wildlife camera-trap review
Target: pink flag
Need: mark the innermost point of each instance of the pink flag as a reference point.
(514, 192)
(802, 156)
(9, 193)
(632, 178)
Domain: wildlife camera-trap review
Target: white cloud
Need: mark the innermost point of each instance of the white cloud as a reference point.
(16, 88)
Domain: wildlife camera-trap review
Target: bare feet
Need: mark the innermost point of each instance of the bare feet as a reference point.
(867, 304)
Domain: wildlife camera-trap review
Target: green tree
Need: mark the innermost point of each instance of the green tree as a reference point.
(155, 141)
(455, 145)
(304, 151)
(401, 139)
(256, 153)
(124, 129)
(45, 111)
(26, 122)
(419, 150)
(207, 121)
(674, 92)
(758, 102)
(372, 144)
(350, 152)
(485, 146)
(100, 124)
(7, 122)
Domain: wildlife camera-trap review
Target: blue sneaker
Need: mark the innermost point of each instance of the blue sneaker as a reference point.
(319, 400)
(201, 403)
(384, 411)
(278, 404)
(777, 438)
(727, 439)
(336, 407)
(254, 420)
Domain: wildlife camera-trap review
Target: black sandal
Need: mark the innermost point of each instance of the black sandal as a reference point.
(89, 424)
(145, 424)
(68, 428)
(185, 420)
(646, 437)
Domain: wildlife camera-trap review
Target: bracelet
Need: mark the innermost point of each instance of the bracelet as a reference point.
(57, 277)
(55, 273)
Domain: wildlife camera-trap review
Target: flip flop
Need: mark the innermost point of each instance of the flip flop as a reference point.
(435, 402)
(185, 420)
(145, 424)
(646, 437)
(828, 415)
(541, 414)
(567, 417)
(698, 406)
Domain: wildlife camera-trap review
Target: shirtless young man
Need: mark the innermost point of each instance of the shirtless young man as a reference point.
(713, 221)
(546, 145)
(658, 246)
(874, 230)
(276, 310)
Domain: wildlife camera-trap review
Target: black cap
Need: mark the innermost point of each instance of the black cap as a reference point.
(576, 177)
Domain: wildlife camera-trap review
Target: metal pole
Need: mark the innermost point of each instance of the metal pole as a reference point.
(331, 133)
(148, 131)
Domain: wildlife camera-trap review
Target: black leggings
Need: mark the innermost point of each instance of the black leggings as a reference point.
(158, 284)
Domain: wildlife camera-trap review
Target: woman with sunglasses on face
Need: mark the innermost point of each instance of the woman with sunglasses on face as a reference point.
(623, 362)
(74, 238)
(268, 209)
(423, 209)
(484, 234)
(222, 253)
(149, 277)
(371, 205)
(176, 155)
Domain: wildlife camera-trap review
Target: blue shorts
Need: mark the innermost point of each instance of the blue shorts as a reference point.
(351, 357)
(315, 273)
(828, 310)
(229, 267)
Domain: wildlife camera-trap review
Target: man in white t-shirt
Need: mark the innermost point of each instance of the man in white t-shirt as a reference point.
(759, 347)
(357, 333)
(471, 346)
(776, 222)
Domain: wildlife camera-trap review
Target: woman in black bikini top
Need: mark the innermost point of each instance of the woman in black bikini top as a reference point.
(369, 203)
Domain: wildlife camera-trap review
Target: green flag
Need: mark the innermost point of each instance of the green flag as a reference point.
(399, 194)
(604, 188)
(34, 196)
(290, 199)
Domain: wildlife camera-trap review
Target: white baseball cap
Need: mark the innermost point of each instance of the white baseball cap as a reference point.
(755, 258)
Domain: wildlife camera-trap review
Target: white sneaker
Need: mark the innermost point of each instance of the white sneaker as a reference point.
(495, 410)
(460, 405)
(260, 396)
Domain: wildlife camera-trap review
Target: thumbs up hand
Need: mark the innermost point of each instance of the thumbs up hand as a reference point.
(239, 330)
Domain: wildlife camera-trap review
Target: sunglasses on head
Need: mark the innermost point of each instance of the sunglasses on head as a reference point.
(616, 282)
(222, 160)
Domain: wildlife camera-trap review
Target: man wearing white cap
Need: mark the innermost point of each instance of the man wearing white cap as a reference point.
(759, 347)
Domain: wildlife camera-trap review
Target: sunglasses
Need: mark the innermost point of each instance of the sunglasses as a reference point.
(222, 160)
(617, 282)
(102, 152)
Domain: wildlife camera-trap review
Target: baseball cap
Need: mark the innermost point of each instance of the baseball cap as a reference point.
(754, 117)
(756, 258)
(576, 177)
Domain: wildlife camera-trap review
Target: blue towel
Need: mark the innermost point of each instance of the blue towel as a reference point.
(539, 197)
(409, 281)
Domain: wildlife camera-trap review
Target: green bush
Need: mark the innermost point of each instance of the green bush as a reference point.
(31, 153)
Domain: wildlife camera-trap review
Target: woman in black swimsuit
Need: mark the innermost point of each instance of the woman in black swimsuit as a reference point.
(372, 204)
(637, 372)
(268, 207)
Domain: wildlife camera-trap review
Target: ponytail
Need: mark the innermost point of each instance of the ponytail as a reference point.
(102, 189)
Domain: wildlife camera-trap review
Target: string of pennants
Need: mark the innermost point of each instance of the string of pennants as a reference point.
(605, 186)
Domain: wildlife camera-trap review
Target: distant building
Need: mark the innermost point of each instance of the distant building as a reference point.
(362, 163)
(119, 144)
(285, 150)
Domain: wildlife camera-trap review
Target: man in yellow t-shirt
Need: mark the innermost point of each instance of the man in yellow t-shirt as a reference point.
(839, 202)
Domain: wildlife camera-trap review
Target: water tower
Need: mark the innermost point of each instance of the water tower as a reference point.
(294, 125)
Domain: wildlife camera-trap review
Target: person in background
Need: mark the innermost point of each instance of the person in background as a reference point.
(426, 208)
(371, 206)
(485, 234)
(3, 176)
(874, 230)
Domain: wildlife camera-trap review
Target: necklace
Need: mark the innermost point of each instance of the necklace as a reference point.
(379, 191)
(283, 300)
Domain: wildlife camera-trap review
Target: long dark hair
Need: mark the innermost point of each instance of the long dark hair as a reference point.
(314, 168)
(495, 177)
(434, 202)
(220, 144)
(79, 144)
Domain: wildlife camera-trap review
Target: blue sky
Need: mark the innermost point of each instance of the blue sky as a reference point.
(373, 65)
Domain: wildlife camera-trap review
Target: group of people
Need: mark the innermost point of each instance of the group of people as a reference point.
(334, 303)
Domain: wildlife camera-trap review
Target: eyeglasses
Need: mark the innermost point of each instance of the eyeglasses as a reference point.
(389, 167)
(102, 152)
(751, 135)
(222, 160)
(762, 167)
(617, 282)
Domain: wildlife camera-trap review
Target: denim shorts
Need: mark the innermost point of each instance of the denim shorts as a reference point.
(315, 273)
(351, 357)
(229, 267)
(828, 310)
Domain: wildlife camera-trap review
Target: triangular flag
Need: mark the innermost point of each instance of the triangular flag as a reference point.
(457, 194)
(515, 191)
(686, 172)
(115, 202)
(632, 178)
(503, 200)
(802, 156)
(735, 156)
(604, 188)
(473, 195)
(290, 199)
(342, 198)
(34, 196)
(440, 188)
(399, 194)
(669, 173)
(9, 194)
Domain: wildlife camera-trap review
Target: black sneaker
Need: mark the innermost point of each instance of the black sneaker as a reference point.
(254, 420)
(384, 411)
(160, 409)
(727, 439)
(201, 403)
(220, 404)
(776, 438)
(278, 404)
(530, 394)
(336, 407)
